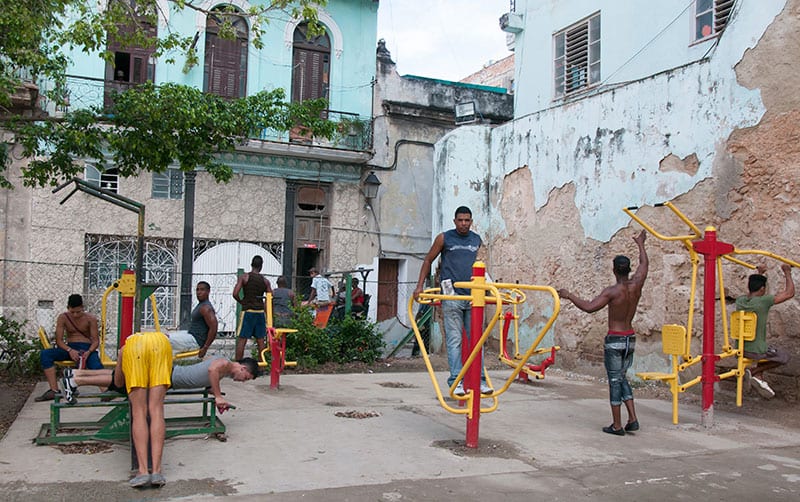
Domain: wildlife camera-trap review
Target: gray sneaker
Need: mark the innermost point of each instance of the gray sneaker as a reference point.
(140, 481)
(763, 388)
(486, 390)
(459, 390)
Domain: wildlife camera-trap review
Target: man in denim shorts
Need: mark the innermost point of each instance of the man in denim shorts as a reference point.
(622, 299)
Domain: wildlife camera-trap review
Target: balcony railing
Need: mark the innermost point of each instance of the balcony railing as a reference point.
(353, 132)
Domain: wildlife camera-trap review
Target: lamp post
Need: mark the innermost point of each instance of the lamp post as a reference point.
(371, 185)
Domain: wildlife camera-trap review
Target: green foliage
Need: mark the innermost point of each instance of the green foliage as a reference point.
(19, 355)
(180, 123)
(356, 340)
(342, 341)
(310, 346)
(148, 128)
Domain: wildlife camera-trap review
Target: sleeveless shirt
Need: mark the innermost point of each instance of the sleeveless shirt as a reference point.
(254, 291)
(458, 255)
(197, 326)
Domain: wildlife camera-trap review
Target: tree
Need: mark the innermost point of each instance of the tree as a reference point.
(147, 128)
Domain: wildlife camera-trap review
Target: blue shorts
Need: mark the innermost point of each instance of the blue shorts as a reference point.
(48, 357)
(252, 324)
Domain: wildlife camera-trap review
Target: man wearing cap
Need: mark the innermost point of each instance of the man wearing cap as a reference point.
(620, 342)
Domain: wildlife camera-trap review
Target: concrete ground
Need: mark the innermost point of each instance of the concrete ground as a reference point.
(392, 441)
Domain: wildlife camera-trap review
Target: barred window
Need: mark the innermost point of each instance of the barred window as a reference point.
(168, 185)
(106, 255)
(577, 56)
(711, 17)
(108, 179)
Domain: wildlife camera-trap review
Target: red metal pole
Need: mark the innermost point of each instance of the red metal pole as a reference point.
(276, 351)
(472, 379)
(711, 249)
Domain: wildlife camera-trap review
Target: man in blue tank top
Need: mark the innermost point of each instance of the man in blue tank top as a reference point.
(458, 249)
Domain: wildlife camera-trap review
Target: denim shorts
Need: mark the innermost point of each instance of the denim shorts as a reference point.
(618, 357)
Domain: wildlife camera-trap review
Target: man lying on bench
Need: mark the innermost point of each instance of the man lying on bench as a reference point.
(204, 374)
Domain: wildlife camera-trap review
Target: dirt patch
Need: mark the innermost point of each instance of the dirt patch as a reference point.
(14, 391)
(88, 448)
(357, 414)
(486, 448)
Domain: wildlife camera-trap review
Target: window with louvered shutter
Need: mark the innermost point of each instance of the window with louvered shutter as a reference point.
(225, 64)
(711, 17)
(310, 65)
(577, 57)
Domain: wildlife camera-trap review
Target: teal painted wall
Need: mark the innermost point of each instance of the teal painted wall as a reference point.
(351, 25)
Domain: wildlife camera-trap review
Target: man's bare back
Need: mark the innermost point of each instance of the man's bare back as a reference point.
(625, 297)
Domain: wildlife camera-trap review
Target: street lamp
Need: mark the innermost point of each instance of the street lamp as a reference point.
(371, 185)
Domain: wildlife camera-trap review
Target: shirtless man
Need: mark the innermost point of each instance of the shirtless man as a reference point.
(622, 299)
(76, 338)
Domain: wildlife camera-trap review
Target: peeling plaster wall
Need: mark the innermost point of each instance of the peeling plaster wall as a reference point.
(718, 138)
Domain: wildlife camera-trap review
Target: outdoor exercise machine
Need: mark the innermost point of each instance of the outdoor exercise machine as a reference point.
(515, 298)
(676, 339)
(276, 346)
(481, 294)
(115, 424)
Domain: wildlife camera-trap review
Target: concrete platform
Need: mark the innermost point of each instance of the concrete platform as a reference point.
(544, 441)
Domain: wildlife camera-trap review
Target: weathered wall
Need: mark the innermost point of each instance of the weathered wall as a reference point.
(411, 115)
(718, 138)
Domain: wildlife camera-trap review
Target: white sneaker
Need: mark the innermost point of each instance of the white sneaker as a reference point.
(66, 391)
(69, 379)
(486, 390)
(763, 388)
(459, 390)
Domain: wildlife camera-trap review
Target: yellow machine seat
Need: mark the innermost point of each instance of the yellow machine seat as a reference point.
(673, 343)
(743, 325)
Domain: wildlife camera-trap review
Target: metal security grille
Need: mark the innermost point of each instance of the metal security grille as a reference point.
(577, 56)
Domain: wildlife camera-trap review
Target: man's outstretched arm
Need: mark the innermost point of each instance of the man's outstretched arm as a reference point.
(788, 285)
(589, 306)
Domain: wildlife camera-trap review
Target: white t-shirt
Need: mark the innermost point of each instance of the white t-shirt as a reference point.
(323, 287)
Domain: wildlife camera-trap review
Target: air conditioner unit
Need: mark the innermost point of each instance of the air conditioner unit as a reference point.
(511, 22)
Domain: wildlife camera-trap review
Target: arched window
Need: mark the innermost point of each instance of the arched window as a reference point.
(225, 68)
(311, 64)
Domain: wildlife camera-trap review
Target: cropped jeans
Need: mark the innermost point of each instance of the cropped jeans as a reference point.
(618, 356)
(457, 317)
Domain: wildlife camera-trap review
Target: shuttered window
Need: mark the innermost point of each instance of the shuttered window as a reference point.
(311, 62)
(577, 56)
(711, 17)
(225, 66)
(168, 185)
